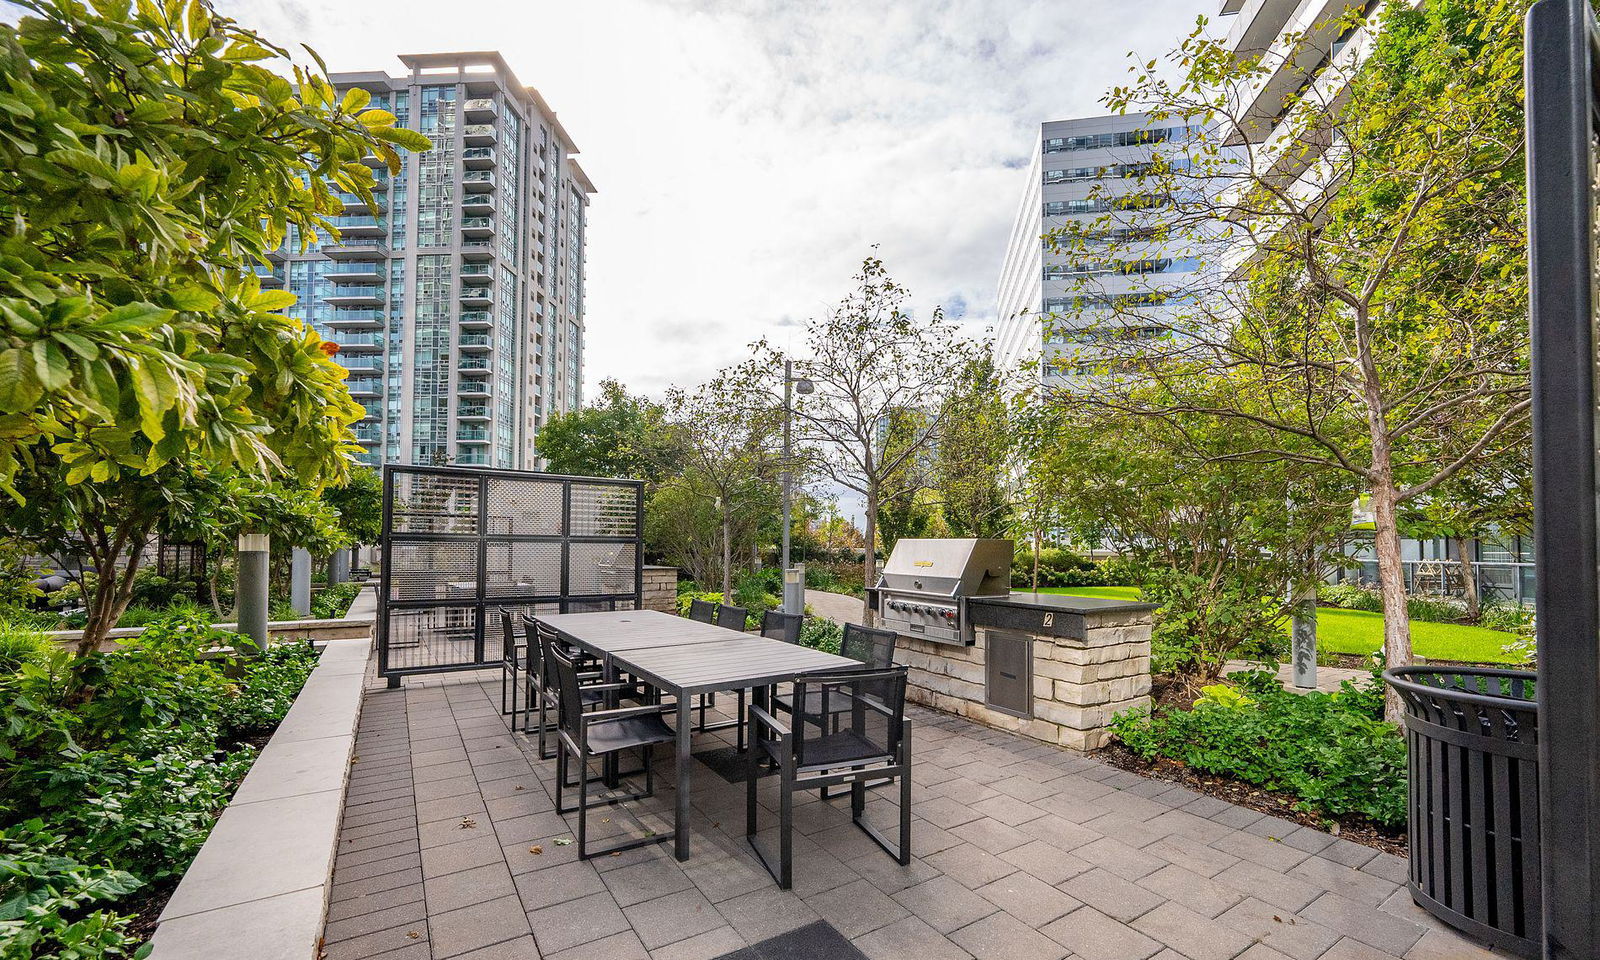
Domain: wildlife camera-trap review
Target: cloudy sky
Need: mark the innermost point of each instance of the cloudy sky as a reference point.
(749, 152)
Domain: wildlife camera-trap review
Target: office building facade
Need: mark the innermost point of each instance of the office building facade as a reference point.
(1053, 300)
(457, 298)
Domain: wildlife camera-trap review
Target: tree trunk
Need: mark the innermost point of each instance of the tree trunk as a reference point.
(1469, 577)
(113, 590)
(1392, 584)
(1036, 538)
(727, 559)
(869, 559)
(213, 574)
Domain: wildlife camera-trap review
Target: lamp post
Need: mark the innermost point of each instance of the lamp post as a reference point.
(793, 592)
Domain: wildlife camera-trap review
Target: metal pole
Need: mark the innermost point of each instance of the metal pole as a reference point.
(252, 587)
(1560, 104)
(300, 580)
(788, 388)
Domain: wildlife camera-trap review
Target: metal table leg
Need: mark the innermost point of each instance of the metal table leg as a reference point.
(681, 820)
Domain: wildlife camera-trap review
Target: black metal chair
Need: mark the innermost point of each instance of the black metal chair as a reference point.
(702, 610)
(873, 647)
(592, 695)
(869, 739)
(513, 665)
(583, 735)
(733, 618)
(782, 626)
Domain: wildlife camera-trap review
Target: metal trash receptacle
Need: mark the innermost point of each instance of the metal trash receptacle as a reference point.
(1472, 735)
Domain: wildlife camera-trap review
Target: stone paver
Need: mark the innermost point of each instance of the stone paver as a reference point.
(451, 847)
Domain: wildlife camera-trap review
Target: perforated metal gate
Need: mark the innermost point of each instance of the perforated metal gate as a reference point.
(460, 543)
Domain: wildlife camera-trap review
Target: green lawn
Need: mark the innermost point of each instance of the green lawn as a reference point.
(1359, 632)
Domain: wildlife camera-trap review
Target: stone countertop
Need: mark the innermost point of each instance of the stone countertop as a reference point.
(1057, 601)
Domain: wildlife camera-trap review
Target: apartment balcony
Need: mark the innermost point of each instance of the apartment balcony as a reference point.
(477, 273)
(353, 204)
(478, 134)
(474, 458)
(357, 319)
(474, 413)
(478, 158)
(271, 278)
(278, 254)
(479, 110)
(476, 319)
(477, 205)
(477, 228)
(361, 343)
(472, 435)
(356, 295)
(477, 250)
(357, 248)
(364, 366)
(374, 161)
(475, 343)
(359, 227)
(364, 388)
(477, 298)
(472, 388)
(357, 271)
(478, 181)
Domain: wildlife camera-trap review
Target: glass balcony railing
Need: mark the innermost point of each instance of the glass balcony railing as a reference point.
(478, 180)
(370, 386)
(359, 341)
(478, 158)
(473, 363)
(472, 459)
(356, 271)
(479, 108)
(471, 223)
(472, 412)
(356, 316)
(476, 270)
(475, 316)
(472, 433)
(354, 290)
(474, 340)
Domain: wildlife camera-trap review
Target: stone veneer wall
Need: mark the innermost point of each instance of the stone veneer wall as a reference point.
(1078, 685)
(661, 589)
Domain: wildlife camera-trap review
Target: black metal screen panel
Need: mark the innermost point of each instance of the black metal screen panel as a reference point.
(1562, 150)
(460, 543)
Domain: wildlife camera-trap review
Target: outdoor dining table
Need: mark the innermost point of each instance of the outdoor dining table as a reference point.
(684, 658)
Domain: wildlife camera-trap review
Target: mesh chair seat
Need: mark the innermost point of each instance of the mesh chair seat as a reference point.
(846, 748)
(607, 736)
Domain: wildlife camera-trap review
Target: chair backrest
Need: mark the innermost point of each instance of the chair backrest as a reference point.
(564, 674)
(548, 640)
(591, 606)
(702, 610)
(508, 634)
(782, 626)
(734, 618)
(530, 636)
(875, 648)
(860, 717)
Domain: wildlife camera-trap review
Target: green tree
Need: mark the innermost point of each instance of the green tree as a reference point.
(974, 452)
(151, 163)
(726, 434)
(619, 436)
(870, 358)
(1369, 316)
(904, 507)
(359, 503)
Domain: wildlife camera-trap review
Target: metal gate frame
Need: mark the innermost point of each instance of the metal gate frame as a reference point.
(1562, 52)
(481, 601)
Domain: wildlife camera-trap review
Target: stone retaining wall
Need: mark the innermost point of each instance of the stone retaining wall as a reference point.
(1078, 684)
(661, 589)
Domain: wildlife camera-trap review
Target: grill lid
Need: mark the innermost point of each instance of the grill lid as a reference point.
(949, 568)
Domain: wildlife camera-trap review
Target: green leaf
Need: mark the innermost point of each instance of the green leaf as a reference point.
(19, 386)
(50, 365)
(134, 317)
(268, 300)
(377, 118)
(194, 298)
(400, 136)
(354, 100)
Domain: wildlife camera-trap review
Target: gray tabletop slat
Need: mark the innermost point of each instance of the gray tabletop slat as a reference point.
(681, 654)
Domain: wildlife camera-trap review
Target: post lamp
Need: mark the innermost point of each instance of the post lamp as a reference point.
(794, 580)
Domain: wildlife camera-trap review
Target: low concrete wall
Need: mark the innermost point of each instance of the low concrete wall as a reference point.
(258, 890)
(350, 627)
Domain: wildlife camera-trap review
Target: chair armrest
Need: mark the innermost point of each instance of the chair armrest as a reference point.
(620, 713)
(768, 720)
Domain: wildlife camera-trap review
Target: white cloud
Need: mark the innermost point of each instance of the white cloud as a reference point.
(749, 153)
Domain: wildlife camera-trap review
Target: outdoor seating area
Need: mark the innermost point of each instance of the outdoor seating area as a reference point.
(452, 845)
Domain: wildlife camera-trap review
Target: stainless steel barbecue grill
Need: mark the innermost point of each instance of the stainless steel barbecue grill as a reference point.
(925, 586)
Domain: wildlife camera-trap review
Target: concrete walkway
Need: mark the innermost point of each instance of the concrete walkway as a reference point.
(451, 848)
(838, 607)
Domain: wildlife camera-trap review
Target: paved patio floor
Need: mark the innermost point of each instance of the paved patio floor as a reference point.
(451, 847)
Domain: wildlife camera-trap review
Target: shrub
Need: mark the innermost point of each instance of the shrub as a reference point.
(1435, 609)
(1507, 615)
(1201, 625)
(332, 603)
(266, 690)
(21, 643)
(1350, 596)
(1332, 751)
(835, 576)
(1057, 568)
(47, 900)
(821, 634)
